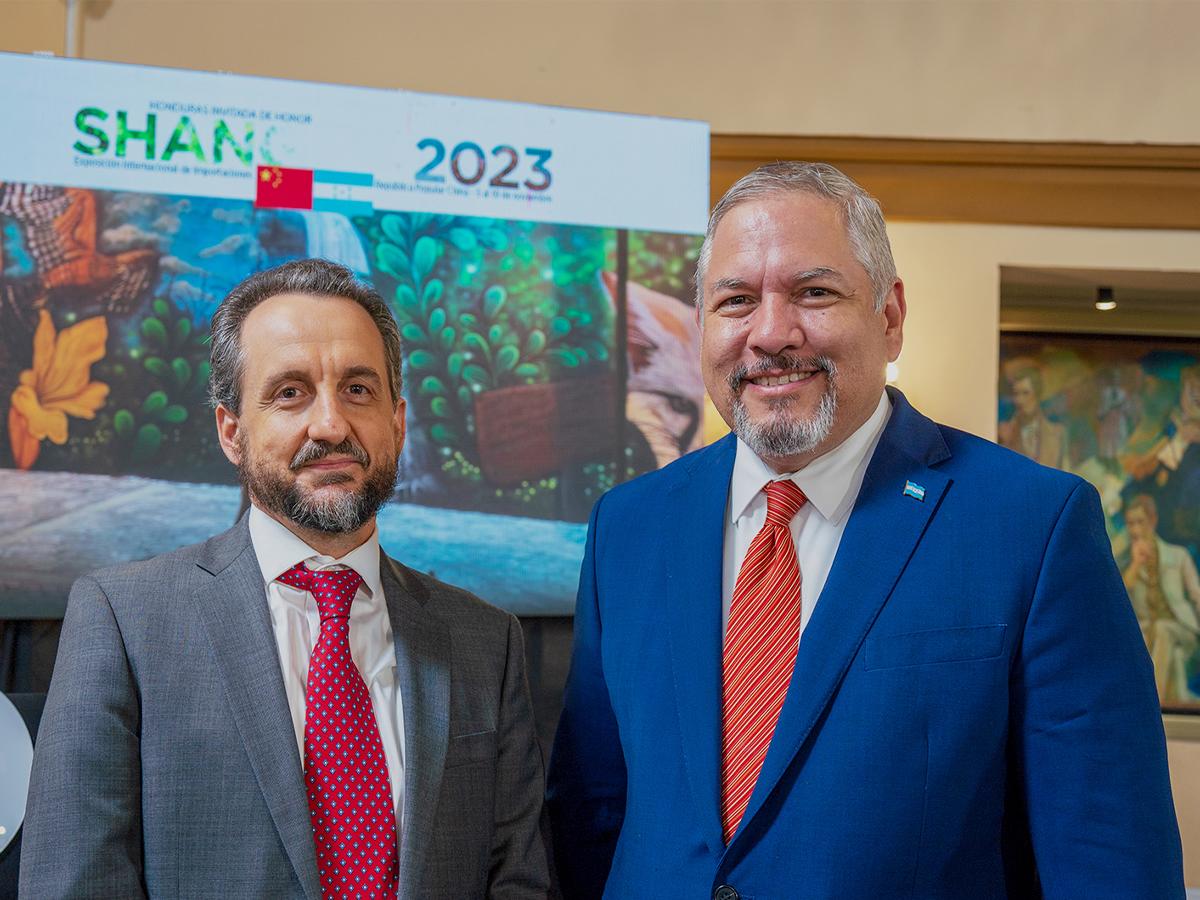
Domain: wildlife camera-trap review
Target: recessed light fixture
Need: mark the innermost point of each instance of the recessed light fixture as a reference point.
(1104, 299)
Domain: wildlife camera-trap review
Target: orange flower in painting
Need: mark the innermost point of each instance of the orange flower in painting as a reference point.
(58, 385)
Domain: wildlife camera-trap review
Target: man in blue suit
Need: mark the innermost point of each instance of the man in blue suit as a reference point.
(847, 652)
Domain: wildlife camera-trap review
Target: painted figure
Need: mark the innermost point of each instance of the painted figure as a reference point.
(1165, 590)
(665, 396)
(61, 237)
(1169, 470)
(1029, 432)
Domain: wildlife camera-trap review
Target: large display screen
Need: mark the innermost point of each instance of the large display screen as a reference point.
(538, 260)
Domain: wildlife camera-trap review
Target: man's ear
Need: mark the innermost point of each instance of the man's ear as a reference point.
(228, 426)
(399, 423)
(895, 309)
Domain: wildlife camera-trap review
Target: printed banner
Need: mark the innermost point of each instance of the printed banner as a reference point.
(538, 260)
(116, 127)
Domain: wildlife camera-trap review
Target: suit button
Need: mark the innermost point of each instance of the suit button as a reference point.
(725, 892)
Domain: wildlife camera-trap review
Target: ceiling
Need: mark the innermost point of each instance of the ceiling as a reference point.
(1149, 301)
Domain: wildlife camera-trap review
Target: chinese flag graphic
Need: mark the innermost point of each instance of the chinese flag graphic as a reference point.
(280, 188)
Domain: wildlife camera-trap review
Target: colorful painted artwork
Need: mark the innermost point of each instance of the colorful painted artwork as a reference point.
(519, 414)
(1124, 413)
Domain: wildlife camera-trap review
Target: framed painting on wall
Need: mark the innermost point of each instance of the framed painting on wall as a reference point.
(1123, 413)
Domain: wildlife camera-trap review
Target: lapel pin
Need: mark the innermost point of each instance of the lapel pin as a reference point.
(911, 489)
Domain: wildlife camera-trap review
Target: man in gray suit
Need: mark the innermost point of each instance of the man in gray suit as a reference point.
(284, 711)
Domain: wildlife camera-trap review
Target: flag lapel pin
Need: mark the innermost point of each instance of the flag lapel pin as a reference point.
(911, 489)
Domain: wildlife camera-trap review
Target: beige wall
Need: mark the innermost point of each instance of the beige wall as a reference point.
(1021, 70)
(1184, 759)
(1103, 70)
(32, 26)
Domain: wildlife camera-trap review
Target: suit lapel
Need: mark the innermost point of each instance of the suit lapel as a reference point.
(423, 652)
(697, 504)
(233, 608)
(880, 537)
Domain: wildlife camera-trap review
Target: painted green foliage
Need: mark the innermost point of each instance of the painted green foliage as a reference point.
(152, 420)
(664, 262)
(486, 304)
(173, 354)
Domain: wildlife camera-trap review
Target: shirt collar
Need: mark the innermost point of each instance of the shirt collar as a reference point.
(278, 550)
(830, 482)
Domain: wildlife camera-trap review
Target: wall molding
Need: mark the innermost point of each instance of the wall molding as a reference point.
(1180, 727)
(994, 182)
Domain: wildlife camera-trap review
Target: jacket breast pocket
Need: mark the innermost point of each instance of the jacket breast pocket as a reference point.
(476, 747)
(942, 645)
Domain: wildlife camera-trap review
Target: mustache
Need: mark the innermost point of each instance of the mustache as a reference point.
(781, 361)
(315, 450)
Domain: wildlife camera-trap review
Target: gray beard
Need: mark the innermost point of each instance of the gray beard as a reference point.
(781, 434)
(339, 512)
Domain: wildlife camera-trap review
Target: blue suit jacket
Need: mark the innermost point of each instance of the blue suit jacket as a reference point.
(972, 705)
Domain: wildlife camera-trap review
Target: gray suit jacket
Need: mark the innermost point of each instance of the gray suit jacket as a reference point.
(167, 766)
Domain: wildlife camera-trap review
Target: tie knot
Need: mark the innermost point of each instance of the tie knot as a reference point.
(333, 589)
(784, 500)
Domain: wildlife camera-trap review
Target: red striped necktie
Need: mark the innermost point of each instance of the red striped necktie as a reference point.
(761, 641)
(345, 769)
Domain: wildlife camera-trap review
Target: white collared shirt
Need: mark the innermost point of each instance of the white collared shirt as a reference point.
(830, 482)
(297, 624)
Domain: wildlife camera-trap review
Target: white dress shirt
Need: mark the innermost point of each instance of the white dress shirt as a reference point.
(297, 624)
(830, 482)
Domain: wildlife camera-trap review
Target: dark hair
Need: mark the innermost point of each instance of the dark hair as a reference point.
(312, 277)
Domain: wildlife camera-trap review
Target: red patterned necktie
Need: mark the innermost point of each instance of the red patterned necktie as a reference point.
(761, 641)
(345, 770)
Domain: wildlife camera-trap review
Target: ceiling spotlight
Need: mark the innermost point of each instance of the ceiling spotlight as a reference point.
(1104, 299)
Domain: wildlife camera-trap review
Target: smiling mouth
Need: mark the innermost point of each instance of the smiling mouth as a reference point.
(776, 375)
(783, 378)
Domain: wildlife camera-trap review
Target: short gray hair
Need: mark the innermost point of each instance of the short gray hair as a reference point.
(311, 277)
(860, 211)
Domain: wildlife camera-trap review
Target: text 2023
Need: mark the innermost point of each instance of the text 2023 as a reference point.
(469, 165)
